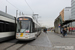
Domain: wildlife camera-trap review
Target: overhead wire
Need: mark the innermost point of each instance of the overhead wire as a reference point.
(29, 6)
(19, 9)
(14, 6)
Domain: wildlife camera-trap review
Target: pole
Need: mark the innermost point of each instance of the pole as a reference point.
(15, 26)
(15, 21)
(6, 9)
(22, 13)
(71, 27)
(16, 13)
(19, 13)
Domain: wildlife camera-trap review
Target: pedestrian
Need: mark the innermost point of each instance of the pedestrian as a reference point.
(61, 30)
(64, 32)
(45, 30)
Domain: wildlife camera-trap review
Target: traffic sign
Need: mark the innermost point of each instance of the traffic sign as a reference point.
(59, 25)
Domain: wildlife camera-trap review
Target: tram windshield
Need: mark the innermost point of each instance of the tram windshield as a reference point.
(23, 26)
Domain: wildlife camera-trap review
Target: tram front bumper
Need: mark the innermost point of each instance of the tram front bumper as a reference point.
(25, 38)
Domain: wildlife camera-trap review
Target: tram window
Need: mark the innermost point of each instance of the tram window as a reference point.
(4, 27)
(36, 29)
(24, 26)
(33, 27)
(30, 27)
(1, 26)
(10, 27)
(7, 27)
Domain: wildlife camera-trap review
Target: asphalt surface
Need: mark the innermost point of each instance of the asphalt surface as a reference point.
(45, 41)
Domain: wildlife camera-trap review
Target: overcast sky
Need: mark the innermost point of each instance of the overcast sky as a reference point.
(48, 10)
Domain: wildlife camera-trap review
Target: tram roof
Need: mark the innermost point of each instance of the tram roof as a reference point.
(25, 16)
(6, 15)
(31, 18)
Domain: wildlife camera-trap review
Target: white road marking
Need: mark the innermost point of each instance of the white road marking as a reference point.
(42, 40)
(48, 39)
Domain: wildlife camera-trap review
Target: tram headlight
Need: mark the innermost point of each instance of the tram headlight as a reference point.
(26, 34)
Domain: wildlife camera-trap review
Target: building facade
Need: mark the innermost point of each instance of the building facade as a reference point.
(67, 13)
(72, 9)
(67, 18)
(57, 24)
(64, 15)
(72, 18)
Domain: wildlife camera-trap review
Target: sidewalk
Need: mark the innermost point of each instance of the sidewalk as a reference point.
(69, 35)
(61, 43)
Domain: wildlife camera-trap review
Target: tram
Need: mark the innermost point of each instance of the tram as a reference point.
(27, 28)
(7, 26)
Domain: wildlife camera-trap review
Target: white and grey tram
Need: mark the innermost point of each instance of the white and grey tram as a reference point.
(7, 26)
(27, 28)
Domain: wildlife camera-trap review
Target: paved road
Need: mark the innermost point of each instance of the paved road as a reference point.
(41, 43)
(61, 43)
(45, 41)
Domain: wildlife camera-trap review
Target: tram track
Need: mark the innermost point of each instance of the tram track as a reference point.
(5, 44)
(19, 44)
(9, 46)
(21, 47)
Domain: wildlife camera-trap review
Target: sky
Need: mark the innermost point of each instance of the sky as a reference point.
(47, 10)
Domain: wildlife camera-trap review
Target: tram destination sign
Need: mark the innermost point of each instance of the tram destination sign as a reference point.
(23, 18)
